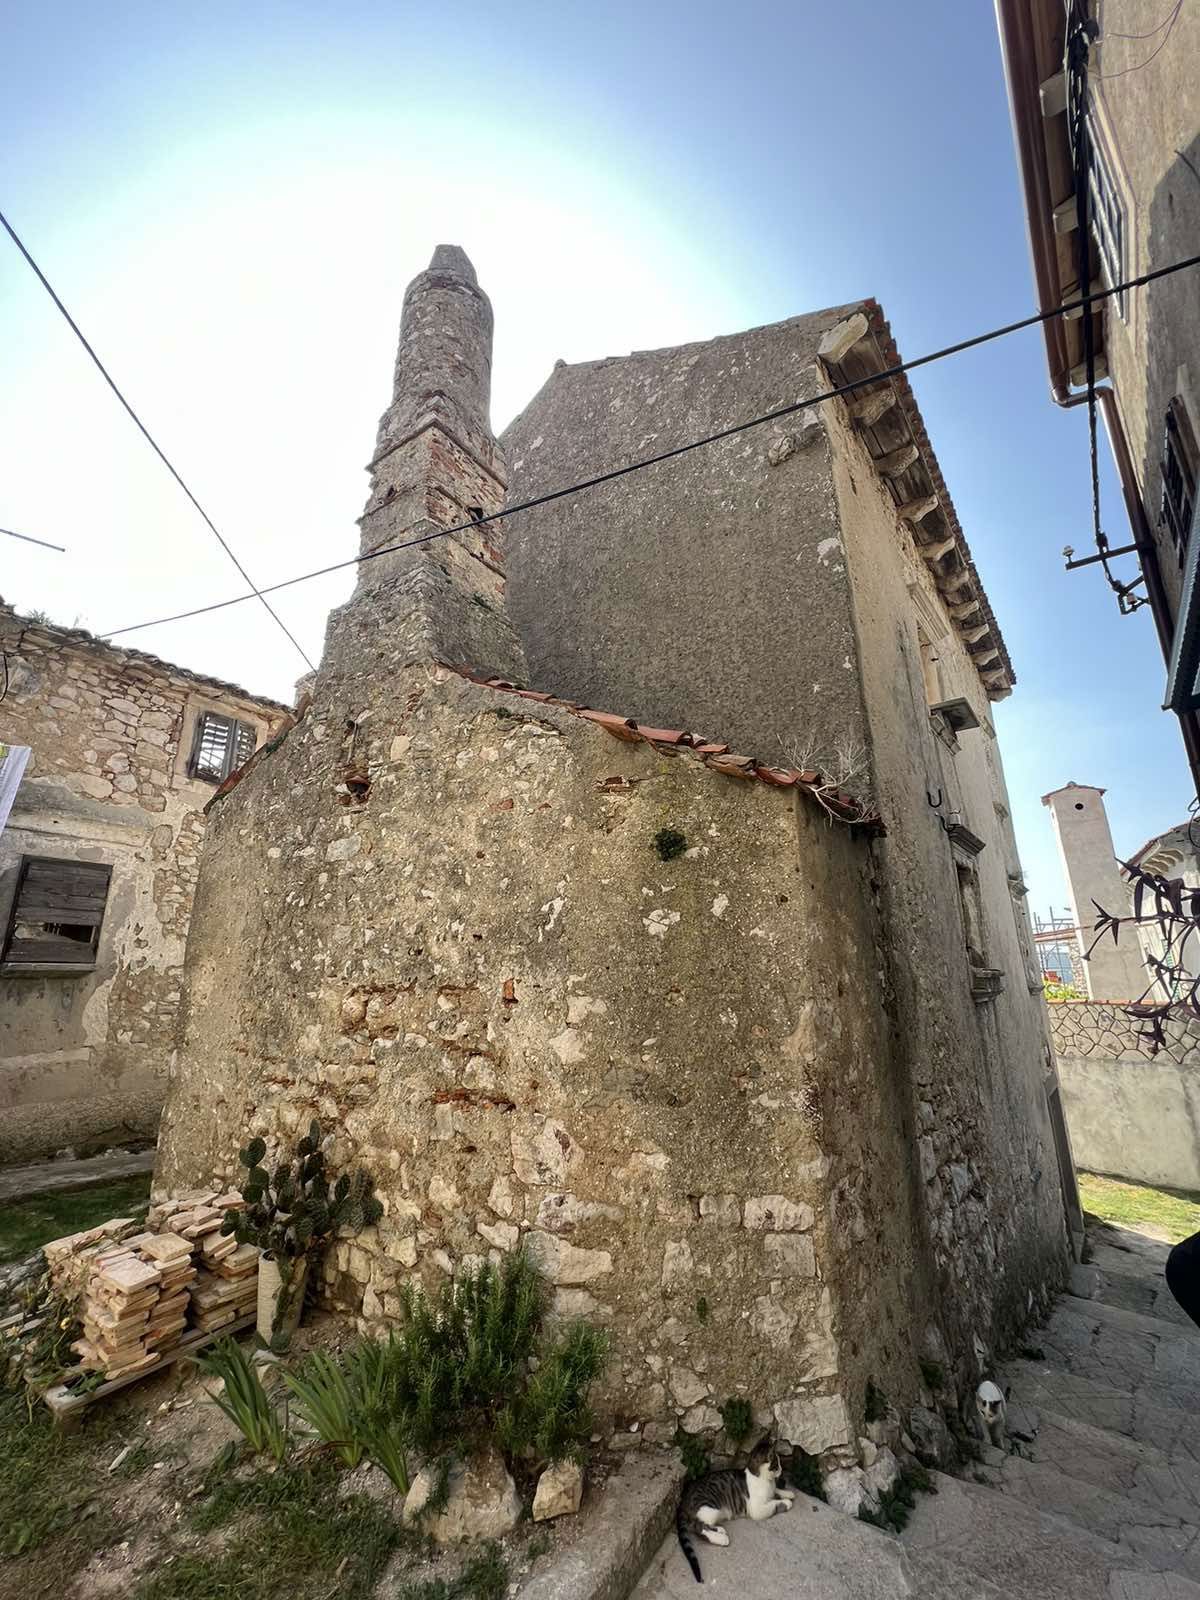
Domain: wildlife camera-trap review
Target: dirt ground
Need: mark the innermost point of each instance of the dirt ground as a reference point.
(145, 1500)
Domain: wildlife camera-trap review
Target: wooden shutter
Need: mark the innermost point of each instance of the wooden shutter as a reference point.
(57, 912)
(211, 747)
(244, 745)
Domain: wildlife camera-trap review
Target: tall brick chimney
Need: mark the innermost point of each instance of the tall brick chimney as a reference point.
(437, 464)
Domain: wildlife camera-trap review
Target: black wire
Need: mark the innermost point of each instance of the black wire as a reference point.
(29, 539)
(146, 434)
(679, 450)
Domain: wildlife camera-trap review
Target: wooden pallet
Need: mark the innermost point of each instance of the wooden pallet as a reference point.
(67, 1407)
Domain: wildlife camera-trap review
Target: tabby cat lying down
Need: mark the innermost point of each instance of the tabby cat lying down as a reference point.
(720, 1496)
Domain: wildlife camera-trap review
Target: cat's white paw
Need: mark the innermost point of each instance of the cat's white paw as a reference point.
(782, 1505)
(786, 1494)
(715, 1535)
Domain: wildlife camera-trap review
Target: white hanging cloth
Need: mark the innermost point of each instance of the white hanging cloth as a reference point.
(13, 760)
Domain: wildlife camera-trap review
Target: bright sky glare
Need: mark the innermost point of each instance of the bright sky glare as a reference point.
(231, 198)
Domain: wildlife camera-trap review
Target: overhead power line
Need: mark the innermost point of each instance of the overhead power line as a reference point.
(146, 434)
(29, 539)
(1034, 321)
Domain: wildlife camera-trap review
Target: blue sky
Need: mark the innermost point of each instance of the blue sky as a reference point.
(231, 199)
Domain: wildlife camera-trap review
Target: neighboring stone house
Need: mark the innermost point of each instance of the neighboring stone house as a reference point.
(719, 996)
(1142, 121)
(98, 864)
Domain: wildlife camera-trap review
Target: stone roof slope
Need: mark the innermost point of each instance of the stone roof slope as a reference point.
(81, 639)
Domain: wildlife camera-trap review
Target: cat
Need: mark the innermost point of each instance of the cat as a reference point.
(720, 1496)
(991, 1407)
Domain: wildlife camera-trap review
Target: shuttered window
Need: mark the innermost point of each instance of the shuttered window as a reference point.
(56, 914)
(1180, 469)
(221, 745)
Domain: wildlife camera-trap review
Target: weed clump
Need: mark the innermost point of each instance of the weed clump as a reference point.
(669, 843)
(737, 1418)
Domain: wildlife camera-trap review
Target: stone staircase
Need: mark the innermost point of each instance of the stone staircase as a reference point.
(1098, 1495)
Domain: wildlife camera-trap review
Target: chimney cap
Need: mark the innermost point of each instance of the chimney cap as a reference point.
(453, 259)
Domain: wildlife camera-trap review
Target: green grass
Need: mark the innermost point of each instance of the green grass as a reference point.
(26, 1224)
(1167, 1213)
(47, 1480)
(290, 1535)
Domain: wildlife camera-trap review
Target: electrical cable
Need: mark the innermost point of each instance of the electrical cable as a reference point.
(150, 440)
(29, 539)
(1078, 45)
(1106, 77)
(1170, 17)
(695, 444)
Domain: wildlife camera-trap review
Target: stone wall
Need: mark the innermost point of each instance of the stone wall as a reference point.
(977, 1067)
(663, 1076)
(1133, 1115)
(84, 1054)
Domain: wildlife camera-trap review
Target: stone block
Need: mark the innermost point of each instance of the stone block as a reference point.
(678, 1267)
(776, 1214)
(814, 1422)
(723, 1210)
(481, 1501)
(565, 1263)
(791, 1254)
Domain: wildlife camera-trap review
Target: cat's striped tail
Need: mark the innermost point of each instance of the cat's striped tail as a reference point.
(686, 1545)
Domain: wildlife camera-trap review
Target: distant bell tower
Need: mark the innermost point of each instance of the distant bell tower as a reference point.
(437, 465)
(1085, 846)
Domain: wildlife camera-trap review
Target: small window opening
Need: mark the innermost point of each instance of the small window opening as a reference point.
(220, 746)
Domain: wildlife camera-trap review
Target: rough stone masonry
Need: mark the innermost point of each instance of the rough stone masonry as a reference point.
(612, 992)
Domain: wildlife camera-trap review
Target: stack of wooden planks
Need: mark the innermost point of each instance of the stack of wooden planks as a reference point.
(140, 1292)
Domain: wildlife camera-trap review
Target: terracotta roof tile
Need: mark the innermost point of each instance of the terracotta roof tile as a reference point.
(671, 741)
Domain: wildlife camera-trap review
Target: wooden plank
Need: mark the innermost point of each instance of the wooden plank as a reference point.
(51, 952)
(67, 1407)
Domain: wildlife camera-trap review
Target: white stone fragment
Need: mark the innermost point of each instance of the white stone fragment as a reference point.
(559, 1491)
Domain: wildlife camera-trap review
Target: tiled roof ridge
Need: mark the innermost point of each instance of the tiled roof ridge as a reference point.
(86, 640)
(714, 755)
(882, 330)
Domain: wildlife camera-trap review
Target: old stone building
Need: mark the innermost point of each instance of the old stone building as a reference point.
(98, 862)
(1138, 142)
(700, 966)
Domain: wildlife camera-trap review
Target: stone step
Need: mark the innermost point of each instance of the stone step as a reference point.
(1130, 1292)
(815, 1553)
(1120, 1410)
(1107, 1461)
(1165, 1537)
(967, 1542)
(1125, 1349)
(1126, 1250)
(1032, 1554)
